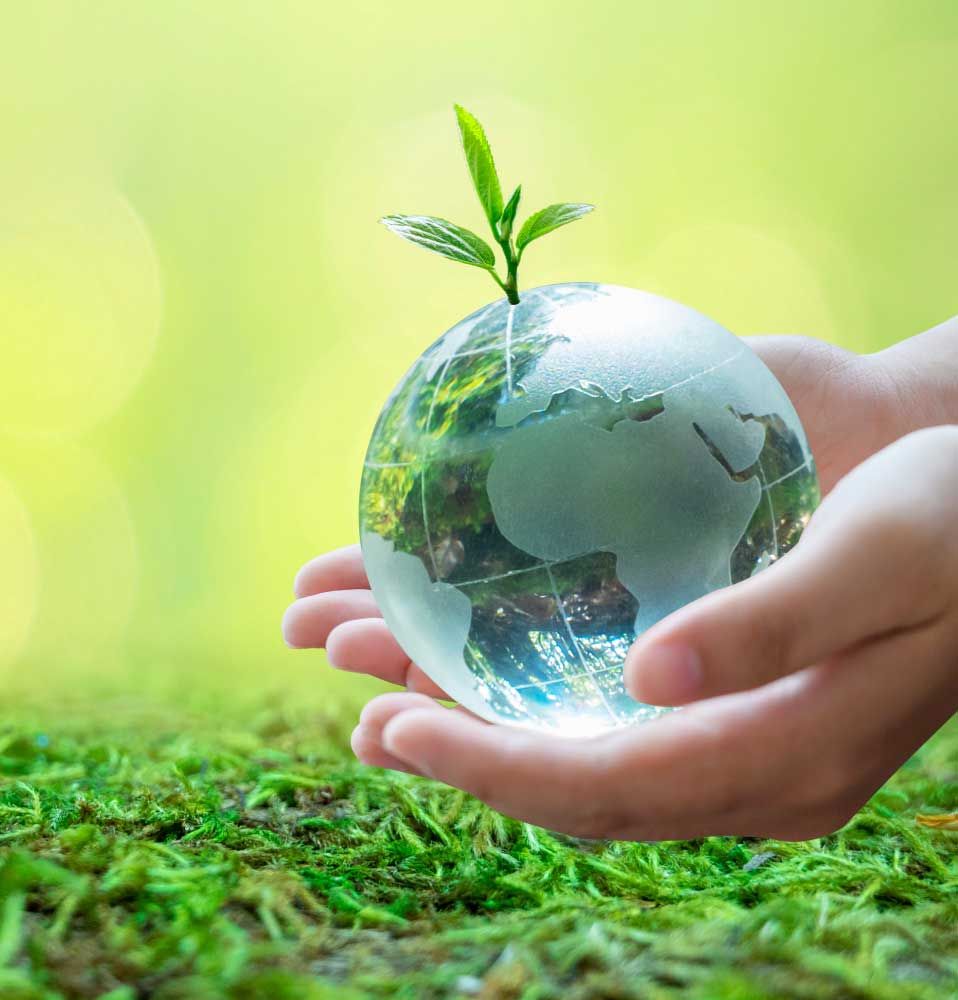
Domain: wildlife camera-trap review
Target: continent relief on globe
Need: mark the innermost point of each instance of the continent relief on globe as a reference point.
(551, 479)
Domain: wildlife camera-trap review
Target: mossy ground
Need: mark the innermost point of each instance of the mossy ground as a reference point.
(176, 854)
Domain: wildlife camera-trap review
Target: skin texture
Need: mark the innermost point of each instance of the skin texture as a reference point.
(805, 687)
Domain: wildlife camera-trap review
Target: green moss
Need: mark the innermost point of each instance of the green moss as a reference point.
(145, 854)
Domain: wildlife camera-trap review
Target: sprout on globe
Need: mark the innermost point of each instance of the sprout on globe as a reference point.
(562, 469)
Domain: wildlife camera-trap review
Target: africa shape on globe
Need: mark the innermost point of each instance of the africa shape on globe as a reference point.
(552, 478)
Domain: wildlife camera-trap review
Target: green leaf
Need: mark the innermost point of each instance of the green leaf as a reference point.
(509, 214)
(482, 167)
(442, 237)
(548, 219)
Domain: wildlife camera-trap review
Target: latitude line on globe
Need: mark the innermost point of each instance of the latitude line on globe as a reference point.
(404, 465)
(539, 685)
(690, 378)
(788, 475)
(540, 564)
(492, 348)
(654, 392)
(545, 564)
(502, 346)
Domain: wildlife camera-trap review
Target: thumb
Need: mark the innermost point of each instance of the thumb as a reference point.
(865, 566)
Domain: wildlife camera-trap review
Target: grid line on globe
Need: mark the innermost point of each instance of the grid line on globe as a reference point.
(501, 539)
(506, 347)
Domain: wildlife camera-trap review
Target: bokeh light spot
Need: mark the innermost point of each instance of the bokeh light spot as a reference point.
(86, 553)
(79, 306)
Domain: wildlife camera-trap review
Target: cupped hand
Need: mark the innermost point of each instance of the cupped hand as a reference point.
(775, 748)
(846, 401)
(852, 405)
(809, 684)
(840, 398)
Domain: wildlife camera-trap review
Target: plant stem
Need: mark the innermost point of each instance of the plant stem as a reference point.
(511, 285)
(495, 277)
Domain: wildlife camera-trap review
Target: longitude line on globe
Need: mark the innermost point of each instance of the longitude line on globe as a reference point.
(507, 350)
(422, 473)
(575, 645)
(771, 509)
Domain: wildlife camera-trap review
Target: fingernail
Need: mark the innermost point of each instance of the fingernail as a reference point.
(397, 750)
(360, 735)
(287, 626)
(386, 737)
(332, 650)
(668, 675)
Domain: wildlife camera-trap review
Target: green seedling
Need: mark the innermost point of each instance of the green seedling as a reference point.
(461, 244)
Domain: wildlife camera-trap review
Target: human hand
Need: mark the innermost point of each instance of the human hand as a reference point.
(853, 405)
(844, 400)
(840, 400)
(849, 405)
(812, 681)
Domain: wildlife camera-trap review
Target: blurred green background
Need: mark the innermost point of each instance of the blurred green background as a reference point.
(199, 317)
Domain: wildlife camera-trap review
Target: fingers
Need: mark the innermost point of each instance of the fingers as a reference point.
(308, 622)
(875, 714)
(680, 776)
(365, 645)
(828, 737)
(744, 636)
(341, 569)
(826, 595)
(366, 740)
(337, 611)
(535, 777)
(792, 760)
(867, 566)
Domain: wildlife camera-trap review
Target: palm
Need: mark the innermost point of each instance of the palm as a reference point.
(838, 396)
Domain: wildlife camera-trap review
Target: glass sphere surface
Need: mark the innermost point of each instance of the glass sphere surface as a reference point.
(552, 478)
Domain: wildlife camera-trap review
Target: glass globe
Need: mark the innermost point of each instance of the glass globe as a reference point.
(552, 478)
